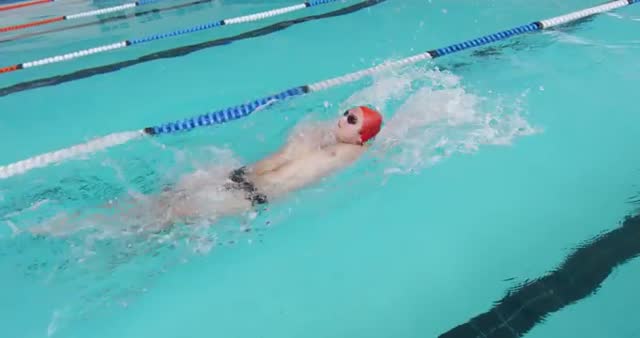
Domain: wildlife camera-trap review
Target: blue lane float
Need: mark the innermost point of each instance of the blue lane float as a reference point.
(486, 39)
(224, 115)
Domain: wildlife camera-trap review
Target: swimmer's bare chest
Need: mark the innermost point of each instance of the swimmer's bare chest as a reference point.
(309, 167)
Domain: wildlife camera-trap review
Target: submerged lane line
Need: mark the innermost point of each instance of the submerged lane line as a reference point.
(154, 37)
(581, 274)
(243, 110)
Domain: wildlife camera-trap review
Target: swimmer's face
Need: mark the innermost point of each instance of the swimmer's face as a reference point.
(349, 125)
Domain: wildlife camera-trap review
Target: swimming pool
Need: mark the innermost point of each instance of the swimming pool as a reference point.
(505, 160)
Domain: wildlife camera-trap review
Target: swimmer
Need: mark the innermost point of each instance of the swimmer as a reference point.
(308, 157)
(305, 159)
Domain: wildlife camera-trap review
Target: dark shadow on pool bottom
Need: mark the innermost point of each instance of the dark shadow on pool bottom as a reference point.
(580, 276)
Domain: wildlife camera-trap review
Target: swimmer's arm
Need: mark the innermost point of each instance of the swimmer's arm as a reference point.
(270, 163)
(297, 146)
(276, 160)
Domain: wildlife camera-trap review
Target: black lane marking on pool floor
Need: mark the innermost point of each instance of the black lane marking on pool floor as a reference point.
(107, 20)
(180, 51)
(580, 276)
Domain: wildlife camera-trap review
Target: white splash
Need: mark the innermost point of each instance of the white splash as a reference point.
(437, 120)
(388, 86)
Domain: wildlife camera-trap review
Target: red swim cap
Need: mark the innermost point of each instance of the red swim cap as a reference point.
(371, 124)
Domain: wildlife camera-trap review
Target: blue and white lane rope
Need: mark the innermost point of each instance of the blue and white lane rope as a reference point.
(78, 15)
(133, 42)
(243, 110)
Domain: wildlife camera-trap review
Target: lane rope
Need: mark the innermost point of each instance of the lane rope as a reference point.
(154, 37)
(78, 15)
(23, 4)
(103, 20)
(243, 110)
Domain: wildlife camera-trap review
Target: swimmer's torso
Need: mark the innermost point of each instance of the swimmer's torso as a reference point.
(306, 167)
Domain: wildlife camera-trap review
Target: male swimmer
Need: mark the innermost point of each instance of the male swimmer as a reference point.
(303, 160)
(307, 158)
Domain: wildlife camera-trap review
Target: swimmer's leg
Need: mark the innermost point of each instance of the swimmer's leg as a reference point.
(129, 215)
(65, 224)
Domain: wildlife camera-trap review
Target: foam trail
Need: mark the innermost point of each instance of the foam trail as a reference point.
(435, 124)
(46, 159)
(437, 120)
(387, 86)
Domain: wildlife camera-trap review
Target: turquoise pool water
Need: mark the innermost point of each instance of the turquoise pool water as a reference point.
(495, 165)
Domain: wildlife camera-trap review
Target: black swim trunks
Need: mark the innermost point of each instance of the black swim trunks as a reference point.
(240, 182)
